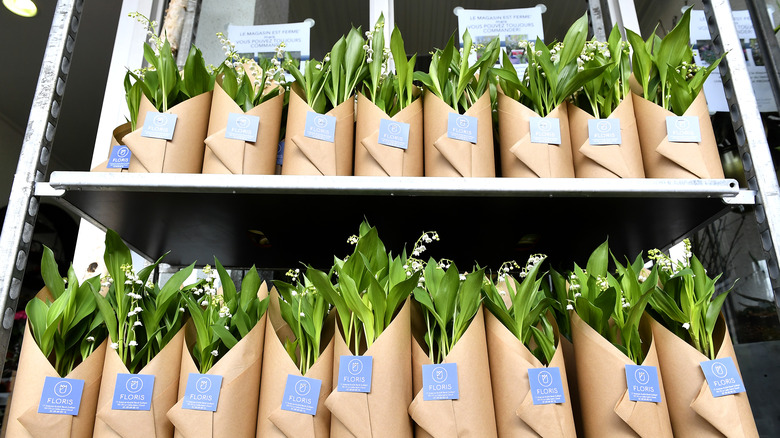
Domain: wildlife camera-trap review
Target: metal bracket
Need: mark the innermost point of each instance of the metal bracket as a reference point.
(744, 197)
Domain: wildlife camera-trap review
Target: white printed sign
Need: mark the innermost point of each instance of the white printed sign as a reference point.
(263, 39)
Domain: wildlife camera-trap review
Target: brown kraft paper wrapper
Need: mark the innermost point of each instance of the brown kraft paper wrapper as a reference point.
(272, 421)
(375, 159)
(601, 376)
(383, 411)
(693, 409)
(24, 419)
(664, 159)
(446, 156)
(606, 161)
(516, 415)
(472, 415)
(571, 375)
(116, 139)
(148, 424)
(183, 154)
(310, 156)
(231, 156)
(240, 371)
(522, 158)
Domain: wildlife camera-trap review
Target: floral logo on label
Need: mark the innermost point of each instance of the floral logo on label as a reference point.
(320, 121)
(302, 388)
(355, 367)
(719, 370)
(642, 376)
(242, 122)
(682, 124)
(544, 125)
(603, 126)
(439, 374)
(394, 128)
(122, 151)
(462, 122)
(63, 389)
(134, 384)
(545, 379)
(203, 385)
(160, 120)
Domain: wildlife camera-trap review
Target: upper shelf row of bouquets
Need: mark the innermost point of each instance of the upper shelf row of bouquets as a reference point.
(578, 110)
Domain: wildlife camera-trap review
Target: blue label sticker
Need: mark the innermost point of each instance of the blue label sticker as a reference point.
(355, 373)
(301, 394)
(683, 129)
(462, 127)
(320, 127)
(159, 125)
(120, 157)
(643, 383)
(133, 392)
(61, 396)
(242, 127)
(546, 385)
(722, 377)
(392, 133)
(202, 393)
(440, 382)
(545, 130)
(604, 132)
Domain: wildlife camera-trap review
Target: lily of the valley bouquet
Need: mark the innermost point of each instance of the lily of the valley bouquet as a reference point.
(373, 331)
(611, 336)
(144, 322)
(604, 138)
(522, 342)
(320, 120)
(298, 343)
(64, 338)
(226, 349)
(389, 130)
(689, 329)
(674, 124)
(453, 394)
(175, 102)
(246, 114)
(457, 110)
(554, 74)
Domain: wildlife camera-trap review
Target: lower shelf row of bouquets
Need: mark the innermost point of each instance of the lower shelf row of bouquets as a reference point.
(452, 353)
(213, 135)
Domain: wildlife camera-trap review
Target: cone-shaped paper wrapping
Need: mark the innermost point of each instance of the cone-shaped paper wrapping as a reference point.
(571, 375)
(383, 411)
(272, 421)
(693, 410)
(606, 161)
(240, 371)
(446, 156)
(309, 156)
(148, 424)
(664, 159)
(238, 157)
(601, 376)
(524, 159)
(116, 139)
(516, 415)
(25, 421)
(472, 415)
(183, 154)
(375, 159)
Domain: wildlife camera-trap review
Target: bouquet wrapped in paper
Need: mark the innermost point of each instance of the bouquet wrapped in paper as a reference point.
(321, 115)
(675, 131)
(297, 359)
(226, 347)
(169, 109)
(620, 385)
(372, 374)
(246, 116)
(527, 368)
(690, 331)
(389, 127)
(63, 349)
(604, 137)
(533, 117)
(457, 112)
(451, 373)
(144, 322)
(116, 140)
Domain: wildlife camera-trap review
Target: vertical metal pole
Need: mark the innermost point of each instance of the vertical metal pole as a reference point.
(33, 160)
(767, 44)
(597, 20)
(749, 130)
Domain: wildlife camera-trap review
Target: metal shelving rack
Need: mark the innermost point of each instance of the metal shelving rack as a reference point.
(96, 196)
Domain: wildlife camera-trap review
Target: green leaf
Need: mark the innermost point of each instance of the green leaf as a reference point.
(51, 273)
(713, 311)
(170, 291)
(597, 263)
(225, 336)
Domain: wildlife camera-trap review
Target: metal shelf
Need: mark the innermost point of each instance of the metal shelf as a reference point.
(309, 218)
